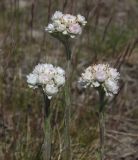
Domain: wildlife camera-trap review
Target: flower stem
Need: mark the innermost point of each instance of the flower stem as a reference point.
(67, 145)
(102, 134)
(47, 139)
(102, 122)
(68, 50)
(47, 105)
(46, 148)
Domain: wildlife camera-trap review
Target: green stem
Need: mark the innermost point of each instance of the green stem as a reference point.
(65, 41)
(47, 139)
(67, 145)
(47, 105)
(102, 134)
(46, 149)
(68, 50)
(101, 99)
(101, 122)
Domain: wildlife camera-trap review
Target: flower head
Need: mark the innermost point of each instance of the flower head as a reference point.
(47, 76)
(101, 75)
(75, 29)
(66, 24)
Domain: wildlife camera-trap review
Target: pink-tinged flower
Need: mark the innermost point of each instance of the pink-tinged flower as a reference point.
(66, 24)
(43, 78)
(75, 29)
(100, 72)
(68, 19)
(100, 76)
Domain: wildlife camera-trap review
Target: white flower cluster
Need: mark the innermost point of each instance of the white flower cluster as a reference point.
(66, 24)
(49, 77)
(101, 75)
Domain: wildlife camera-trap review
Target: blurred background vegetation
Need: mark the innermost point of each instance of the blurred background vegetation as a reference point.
(111, 35)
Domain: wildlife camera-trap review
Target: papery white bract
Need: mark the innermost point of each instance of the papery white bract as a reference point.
(50, 28)
(60, 71)
(101, 75)
(51, 90)
(57, 16)
(66, 24)
(111, 86)
(32, 79)
(59, 80)
(68, 19)
(59, 27)
(113, 73)
(81, 19)
(47, 76)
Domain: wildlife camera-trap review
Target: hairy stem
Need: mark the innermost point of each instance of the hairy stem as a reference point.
(67, 145)
(47, 140)
(68, 50)
(46, 148)
(101, 122)
(46, 106)
(102, 134)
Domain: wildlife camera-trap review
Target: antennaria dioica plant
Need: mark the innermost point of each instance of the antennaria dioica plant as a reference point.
(49, 80)
(105, 80)
(64, 27)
